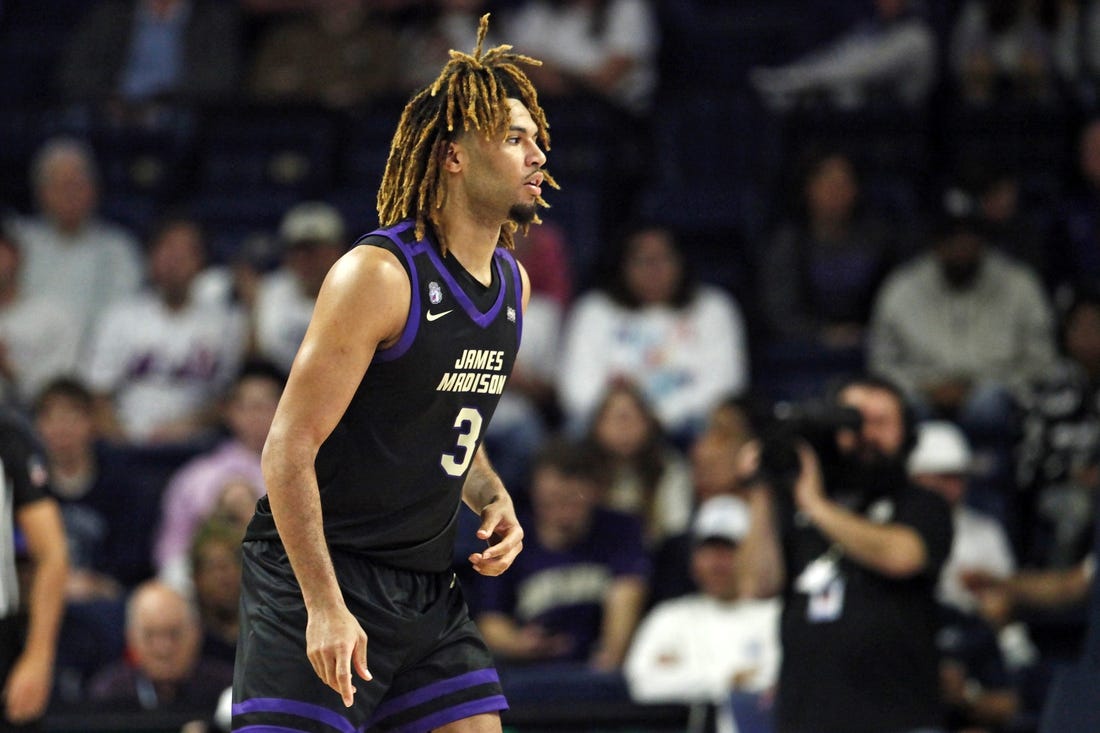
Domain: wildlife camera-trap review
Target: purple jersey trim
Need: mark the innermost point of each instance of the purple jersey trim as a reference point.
(293, 707)
(428, 723)
(481, 319)
(267, 729)
(412, 323)
(434, 690)
(507, 257)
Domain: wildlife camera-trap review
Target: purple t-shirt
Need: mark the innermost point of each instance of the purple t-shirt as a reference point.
(563, 591)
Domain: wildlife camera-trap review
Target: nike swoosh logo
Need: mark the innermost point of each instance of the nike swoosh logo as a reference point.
(434, 316)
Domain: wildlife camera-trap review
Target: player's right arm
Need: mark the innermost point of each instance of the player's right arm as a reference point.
(361, 307)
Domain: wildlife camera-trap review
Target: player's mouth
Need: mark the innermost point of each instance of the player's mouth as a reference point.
(535, 184)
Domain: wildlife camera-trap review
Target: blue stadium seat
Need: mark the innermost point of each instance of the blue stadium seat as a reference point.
(273, 149)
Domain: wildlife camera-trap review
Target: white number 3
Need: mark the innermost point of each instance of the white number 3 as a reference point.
(468, 423)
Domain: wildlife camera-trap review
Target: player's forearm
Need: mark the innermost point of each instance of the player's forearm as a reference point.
(482, 486)
(296, 507)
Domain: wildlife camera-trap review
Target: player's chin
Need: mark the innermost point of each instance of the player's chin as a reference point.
(522, 214)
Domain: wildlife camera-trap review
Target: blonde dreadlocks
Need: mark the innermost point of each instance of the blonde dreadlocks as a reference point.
(470, 93)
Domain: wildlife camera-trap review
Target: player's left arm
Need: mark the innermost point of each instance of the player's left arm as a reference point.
(485, 494)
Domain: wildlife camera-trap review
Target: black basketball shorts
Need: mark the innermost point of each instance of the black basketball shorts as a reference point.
(429, 664)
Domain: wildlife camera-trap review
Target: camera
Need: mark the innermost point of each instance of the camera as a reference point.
(815, 422)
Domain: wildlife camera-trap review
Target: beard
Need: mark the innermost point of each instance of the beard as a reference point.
(522, 214)
(868, 474)
(961, 275)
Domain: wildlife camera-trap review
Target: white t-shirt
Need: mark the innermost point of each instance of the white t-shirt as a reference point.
(561, 33)
(281, 316)
(980, 544)
(42, 341)
(685, 360)
(689, 649)
(162, 365)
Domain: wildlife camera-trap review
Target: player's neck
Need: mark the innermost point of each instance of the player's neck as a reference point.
(471, 242)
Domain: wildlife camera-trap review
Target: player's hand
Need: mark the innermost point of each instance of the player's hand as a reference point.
(27, 690)
(335, 644)
(500, 528)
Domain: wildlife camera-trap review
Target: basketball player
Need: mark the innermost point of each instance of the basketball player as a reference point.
(376, 440)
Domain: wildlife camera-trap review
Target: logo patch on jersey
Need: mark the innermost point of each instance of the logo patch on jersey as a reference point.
(511, 314)
(435, 293)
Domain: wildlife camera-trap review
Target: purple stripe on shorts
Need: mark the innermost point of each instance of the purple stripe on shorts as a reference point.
(293, 707)
(266, 729)
(434, 690)
(451, 714)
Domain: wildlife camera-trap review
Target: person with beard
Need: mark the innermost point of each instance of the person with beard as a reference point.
(963, 329)
(376, 441)
(855, 551)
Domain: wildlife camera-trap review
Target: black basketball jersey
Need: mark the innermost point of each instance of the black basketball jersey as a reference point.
(391, 472)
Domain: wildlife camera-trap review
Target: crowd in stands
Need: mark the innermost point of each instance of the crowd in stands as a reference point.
(759, 199)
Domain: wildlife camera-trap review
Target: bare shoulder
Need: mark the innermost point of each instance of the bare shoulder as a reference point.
(367, 288)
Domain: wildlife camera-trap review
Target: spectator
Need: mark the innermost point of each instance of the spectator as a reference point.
(544, 251)
(974, 671)
(216, 577)
(1013, 49)
(892, 56)
(109, 506)
(313, 238)
(1058, 466)
(159, 360)
(214, 481)
(856, 551)
(607, 48)
(135, 52)
(1076, 246)
(339, 53)
(963, 328)
(649, 477)
(700, 647)
(714, 472)
(69, 253)
(996, 188)
(571, 600)
(819, 275)
(29, 616)
(446, 24)
(39, 336)
(1072, 701)
(682, 342)
(163, 669)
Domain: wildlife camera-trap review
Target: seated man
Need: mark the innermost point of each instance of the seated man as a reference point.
(703, 646)
(571, 600)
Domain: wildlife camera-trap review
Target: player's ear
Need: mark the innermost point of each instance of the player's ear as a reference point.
(453, 156)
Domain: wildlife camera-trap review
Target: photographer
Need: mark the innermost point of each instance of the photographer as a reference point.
(855, 551)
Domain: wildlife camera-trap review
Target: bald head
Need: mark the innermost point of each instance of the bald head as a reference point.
(162, 632)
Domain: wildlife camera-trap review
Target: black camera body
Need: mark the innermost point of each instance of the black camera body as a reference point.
(815, 422)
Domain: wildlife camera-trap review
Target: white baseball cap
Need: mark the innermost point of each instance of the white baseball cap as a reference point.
(941, 448)
(721, 518)
(312, 221)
